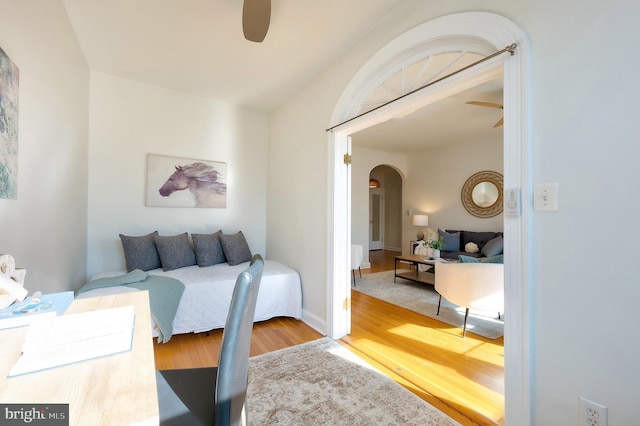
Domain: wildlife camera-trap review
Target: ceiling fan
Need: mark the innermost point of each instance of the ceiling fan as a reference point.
(256, 16)
(491, 105)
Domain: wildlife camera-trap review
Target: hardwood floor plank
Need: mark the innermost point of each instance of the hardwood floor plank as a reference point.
(463, 377)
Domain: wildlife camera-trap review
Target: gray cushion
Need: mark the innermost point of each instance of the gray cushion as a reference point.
(235, 248)
(175, 251)
(451, 241)
(493, 247)
(140, 252)
(208, 249)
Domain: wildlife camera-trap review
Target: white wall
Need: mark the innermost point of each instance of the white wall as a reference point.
(45, 229)
(584, 129)
(435, 181)
(130, 120)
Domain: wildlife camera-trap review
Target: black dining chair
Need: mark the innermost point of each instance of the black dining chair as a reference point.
(216, 395)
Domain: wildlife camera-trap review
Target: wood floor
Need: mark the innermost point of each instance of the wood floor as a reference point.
(462, 377)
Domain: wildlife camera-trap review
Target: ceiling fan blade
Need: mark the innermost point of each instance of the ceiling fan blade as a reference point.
(499, 123)
(256, 16)
(487, 104)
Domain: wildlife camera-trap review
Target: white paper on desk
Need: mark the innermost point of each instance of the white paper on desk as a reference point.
(76, 337)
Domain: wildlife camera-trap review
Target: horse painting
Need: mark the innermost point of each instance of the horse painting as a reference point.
(203, 182)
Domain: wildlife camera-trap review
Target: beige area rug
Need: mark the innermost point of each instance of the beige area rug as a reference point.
(423, 299)
(322, 383)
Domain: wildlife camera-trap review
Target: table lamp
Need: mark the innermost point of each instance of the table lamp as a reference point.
(420, 220)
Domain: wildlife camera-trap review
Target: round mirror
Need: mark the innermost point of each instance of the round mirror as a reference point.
(485, 194)
(482, 194)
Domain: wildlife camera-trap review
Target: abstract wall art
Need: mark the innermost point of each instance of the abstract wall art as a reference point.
(8, 127)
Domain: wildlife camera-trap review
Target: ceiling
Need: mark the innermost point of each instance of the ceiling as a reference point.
(197, 47)
(449, 121)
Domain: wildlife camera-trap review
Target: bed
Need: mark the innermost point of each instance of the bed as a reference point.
(207, 294)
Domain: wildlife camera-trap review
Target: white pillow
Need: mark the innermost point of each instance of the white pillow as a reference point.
(471, 247)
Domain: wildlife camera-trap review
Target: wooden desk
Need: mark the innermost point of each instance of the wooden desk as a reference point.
(117, 389)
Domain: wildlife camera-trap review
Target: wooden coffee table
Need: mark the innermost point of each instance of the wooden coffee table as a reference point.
(425, 277)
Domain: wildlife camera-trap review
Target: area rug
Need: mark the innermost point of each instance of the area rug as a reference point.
(423, 299)
(322, 383)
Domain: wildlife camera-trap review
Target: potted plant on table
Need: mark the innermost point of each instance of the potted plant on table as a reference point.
(436, 246)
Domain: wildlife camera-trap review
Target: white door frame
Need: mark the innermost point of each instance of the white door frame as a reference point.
(499, 32)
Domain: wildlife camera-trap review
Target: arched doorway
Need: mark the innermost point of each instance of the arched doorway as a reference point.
(385, 204)
(455, 30)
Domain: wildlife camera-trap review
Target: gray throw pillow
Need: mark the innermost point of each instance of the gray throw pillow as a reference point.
(235, 248)
(140, 252)
(175, 251)
(493, 247)
(208, 249)
(451, 241)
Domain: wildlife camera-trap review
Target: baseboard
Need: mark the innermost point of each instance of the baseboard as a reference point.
(314, 322)
(392, 248)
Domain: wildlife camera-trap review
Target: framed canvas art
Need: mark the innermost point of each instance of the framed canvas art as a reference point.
(185, 182)
(8, 127)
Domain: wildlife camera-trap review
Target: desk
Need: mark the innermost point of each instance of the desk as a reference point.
(117, 389)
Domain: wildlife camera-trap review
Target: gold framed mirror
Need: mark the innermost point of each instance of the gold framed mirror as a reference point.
(482, 194)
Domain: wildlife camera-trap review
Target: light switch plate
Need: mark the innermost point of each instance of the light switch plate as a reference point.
(545, 197)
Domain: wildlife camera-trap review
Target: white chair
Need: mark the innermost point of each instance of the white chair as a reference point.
(356, 260)
(471, 285)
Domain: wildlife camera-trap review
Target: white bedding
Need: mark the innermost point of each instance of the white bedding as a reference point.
(207, 295)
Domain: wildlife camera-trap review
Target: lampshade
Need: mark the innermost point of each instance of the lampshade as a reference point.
(374, 183)
(420, 220)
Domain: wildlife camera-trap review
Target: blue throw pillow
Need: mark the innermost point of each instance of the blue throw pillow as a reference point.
(493, 247)
(451, 241)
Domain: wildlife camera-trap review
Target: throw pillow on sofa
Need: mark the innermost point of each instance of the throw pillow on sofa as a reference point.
(451, 240)
(471, 248)
(235, 248)
(140, 252)
(175, 251)
(493, 247)
(208, 249)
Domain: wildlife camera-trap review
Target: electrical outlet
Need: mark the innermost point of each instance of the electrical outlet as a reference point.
(592, 414)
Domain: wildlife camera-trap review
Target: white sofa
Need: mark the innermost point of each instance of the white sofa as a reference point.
(207, 294)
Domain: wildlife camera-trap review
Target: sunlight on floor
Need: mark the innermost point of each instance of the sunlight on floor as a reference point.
(468, 346)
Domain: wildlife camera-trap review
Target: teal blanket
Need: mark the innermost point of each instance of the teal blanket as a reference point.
(164, 296)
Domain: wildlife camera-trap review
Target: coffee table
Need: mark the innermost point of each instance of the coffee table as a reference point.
(425, 277)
